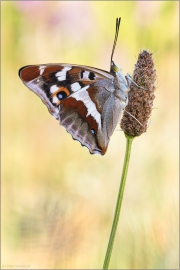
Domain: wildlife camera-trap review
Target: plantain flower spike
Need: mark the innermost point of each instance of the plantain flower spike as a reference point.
(141, 95)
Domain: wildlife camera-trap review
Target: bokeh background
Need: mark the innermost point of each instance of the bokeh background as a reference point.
(58, 200)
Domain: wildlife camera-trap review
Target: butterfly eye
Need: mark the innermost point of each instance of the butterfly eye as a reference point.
(61, 95)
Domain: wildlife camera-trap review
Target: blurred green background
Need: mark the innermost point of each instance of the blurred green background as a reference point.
(58, 200)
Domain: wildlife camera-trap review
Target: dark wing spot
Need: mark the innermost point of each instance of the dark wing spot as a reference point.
(91, 76)
(82, 74)
(61, 95)
(45, 85)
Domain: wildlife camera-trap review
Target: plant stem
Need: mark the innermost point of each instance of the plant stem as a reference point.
(129, 140)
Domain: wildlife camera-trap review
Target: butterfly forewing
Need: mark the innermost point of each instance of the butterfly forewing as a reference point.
(75, 95)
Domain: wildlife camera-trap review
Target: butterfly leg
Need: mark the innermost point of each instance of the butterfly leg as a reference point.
(130, 80)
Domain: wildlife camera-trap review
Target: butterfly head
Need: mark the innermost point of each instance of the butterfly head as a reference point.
(115, 68)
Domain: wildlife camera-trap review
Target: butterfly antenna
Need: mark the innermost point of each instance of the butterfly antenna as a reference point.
(118, 20)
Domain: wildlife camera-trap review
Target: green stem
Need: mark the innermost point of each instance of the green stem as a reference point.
(119, 201)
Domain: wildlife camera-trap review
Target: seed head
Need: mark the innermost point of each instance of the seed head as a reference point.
(141, 95)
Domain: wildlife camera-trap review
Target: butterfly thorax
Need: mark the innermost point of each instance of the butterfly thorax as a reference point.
(120, 83)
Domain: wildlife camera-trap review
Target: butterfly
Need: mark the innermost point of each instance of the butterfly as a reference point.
(86, 101)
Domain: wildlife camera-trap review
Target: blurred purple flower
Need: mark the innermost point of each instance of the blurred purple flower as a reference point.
(67, 14)
(29, 6)
(146, 11)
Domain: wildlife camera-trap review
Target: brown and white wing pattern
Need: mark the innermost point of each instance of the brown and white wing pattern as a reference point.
(80, 97)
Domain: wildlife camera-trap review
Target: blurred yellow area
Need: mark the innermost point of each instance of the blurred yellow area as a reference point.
(58, 201)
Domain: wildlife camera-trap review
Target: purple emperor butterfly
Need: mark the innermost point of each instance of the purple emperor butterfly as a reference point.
(86, 101)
